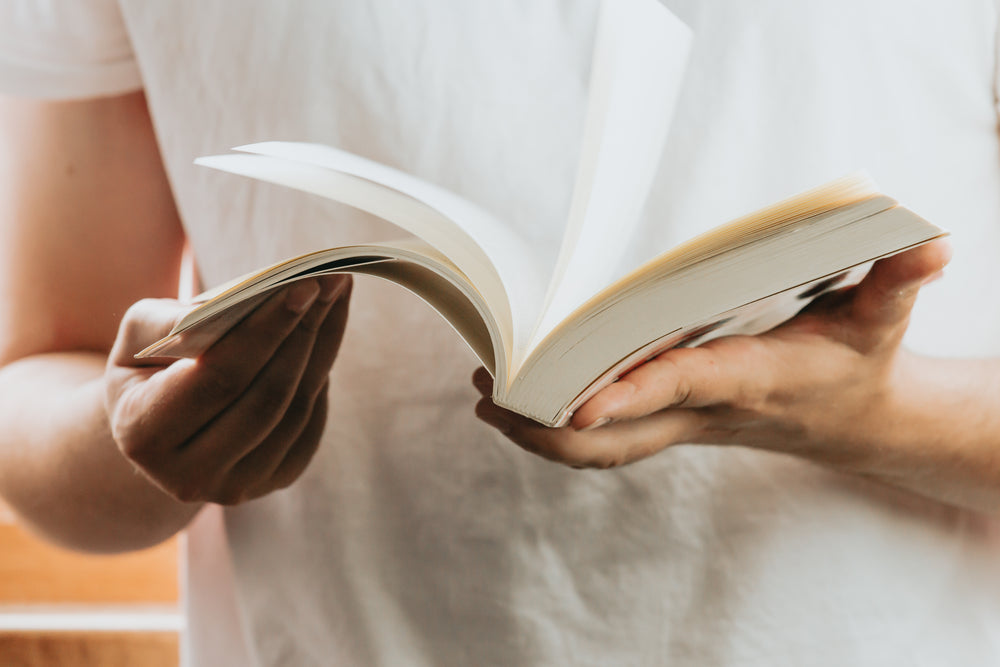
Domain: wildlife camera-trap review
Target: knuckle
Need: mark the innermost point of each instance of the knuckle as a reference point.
(607, 462)
(230, 496)
(142, 316)
(591, 464)
(682, 393)
(190, 490)
(137, 453)
(313, 320)
(291, 469)
(135, 444)
(134, 317)
(670, 388)
(185, 494)
(285, 478)
(187, 483)
(682, 390)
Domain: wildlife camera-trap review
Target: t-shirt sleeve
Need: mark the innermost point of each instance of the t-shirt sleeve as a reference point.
(65, 49)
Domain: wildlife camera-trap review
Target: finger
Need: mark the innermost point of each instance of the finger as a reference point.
(145, 322)
(195, 468)
(611, 446)
(883, 300)
(735, 370)
(298, 457)
(179, 400)
(527, 434)
(251, 475)
(261, 463)
(250, 419)
(739, 370)
(336, 292)
(483, 381)
(282, 457)
(126, 403)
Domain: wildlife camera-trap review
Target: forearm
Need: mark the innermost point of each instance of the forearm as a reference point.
(59, 467)
(938, 432)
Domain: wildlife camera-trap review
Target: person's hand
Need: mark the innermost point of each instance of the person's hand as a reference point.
(243, 419)
(818, 386)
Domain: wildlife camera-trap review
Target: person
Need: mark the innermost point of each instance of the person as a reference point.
(369, 517)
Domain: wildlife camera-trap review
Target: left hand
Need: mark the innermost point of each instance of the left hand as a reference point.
(820, 386)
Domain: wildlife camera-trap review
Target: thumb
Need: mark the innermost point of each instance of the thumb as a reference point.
(883, 300)
(145, 322)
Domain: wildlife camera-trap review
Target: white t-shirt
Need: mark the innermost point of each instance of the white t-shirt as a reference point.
(419, 536)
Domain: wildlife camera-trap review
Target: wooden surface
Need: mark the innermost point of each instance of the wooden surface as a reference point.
(83, 649)
(32, 571)
(43, 586)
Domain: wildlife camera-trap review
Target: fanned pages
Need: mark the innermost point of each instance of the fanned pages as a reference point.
(639, 60)
(551, 345)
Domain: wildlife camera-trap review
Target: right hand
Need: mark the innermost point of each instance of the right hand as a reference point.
(243, 419)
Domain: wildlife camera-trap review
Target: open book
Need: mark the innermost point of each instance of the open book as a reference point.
(554, 330)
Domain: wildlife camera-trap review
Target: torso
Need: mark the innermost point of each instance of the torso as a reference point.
(419, 536)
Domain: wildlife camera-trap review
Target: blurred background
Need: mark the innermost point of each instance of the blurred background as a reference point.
(62, 608)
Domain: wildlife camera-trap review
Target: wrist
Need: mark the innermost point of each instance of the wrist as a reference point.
(933, 431)
(866, 430)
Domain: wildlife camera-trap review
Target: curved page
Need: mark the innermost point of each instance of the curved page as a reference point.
(409, 263)
(497, 262)
(639, 61)
(628, 318)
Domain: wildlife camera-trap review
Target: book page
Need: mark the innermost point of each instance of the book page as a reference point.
(639, 62)
(672, 301)
(498, 263)
(411, 263)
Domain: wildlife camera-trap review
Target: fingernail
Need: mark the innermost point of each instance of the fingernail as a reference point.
(331, 290)
(301, 295)
(597, 423)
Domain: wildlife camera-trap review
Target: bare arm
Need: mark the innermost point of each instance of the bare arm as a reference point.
(98, 452)
(87, 226)
(831, 386)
